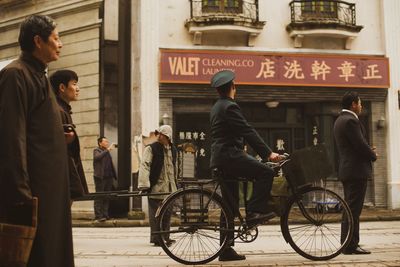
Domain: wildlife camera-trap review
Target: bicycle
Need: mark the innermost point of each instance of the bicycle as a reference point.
(197, 220)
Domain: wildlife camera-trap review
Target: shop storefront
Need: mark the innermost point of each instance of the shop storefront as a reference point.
(292, 100)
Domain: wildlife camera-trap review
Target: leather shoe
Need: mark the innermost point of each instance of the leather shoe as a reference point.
(229, 254)
(357, 250)
(255, 218)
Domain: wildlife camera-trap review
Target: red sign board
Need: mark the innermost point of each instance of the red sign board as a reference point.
(188, 66)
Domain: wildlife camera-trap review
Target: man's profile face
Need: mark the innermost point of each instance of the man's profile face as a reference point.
(49, 51)
(70, 92)
(357, 107)
(163, 139)
(104, 143)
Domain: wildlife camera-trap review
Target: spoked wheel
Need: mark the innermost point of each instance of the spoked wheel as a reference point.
(311, 224)
(193, 226)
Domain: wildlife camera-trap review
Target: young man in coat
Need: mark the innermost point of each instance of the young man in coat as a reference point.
(158, 173)
(229, 130)
(66, 89)
(33, 155)
(355, 164)
(104, 175)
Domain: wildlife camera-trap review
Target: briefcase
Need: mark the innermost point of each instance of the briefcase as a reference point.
(16, 240)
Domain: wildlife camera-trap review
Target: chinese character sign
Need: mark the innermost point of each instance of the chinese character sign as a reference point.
(186, 66)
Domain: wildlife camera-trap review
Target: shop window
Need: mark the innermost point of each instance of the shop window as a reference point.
(222, 6)
(319, 9)
(193, 141)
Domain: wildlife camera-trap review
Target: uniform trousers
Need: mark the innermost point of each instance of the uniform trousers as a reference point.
(246, 166)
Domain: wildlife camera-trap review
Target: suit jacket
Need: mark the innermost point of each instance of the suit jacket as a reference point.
(98, 162)
(355, 154)
(229, 130)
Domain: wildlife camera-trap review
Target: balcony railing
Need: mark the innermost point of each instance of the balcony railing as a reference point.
(215, 10)
(337, 13)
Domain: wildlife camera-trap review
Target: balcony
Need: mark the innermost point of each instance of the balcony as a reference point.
(328, 18)
(219, 16)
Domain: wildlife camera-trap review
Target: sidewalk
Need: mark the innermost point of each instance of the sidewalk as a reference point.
(86, 220)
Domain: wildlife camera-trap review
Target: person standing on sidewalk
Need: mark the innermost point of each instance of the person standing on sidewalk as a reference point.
(158, 173)
(104, 175)
(33, 155)
(355, 164)
(66, 89)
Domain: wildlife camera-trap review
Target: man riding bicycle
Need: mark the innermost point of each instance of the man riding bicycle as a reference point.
(229, 131)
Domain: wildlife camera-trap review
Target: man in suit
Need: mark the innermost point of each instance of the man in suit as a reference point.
(229, 130)
(355, 167)
(104, 174)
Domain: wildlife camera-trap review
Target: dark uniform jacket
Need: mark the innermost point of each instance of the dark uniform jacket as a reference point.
(99, 157)
(77, 179)
(355, 155)
(33, 159)
(229, 130)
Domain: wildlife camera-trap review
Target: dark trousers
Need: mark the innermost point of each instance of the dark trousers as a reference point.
(230, 195)
(101, 205)
(354, 194)
(154, 227)
(248, 167)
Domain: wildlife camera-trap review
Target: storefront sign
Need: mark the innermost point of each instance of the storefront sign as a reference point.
(187, 66)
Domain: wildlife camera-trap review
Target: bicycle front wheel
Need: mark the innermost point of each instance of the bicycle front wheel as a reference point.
(312, 223)
(193, 226)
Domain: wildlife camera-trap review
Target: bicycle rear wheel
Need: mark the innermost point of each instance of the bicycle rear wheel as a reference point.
(191, 223)
(311, 223)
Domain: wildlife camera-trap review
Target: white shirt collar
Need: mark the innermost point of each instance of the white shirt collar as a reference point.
(349, 111)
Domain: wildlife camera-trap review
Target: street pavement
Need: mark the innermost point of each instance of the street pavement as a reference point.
(129, 246)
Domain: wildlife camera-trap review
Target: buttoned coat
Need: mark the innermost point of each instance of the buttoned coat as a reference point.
(33, 159)
(229, 130)
(98, 162)
(77, 180)
(355, 154)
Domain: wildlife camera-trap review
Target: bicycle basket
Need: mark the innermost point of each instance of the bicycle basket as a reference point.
(308, 165)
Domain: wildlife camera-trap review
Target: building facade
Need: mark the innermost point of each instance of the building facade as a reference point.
(144, 63)
(293, 61)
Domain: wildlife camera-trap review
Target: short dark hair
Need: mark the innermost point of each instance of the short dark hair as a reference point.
(62, 77)
(224, 89)
(100, 139)
(35, 25)
(348, 98)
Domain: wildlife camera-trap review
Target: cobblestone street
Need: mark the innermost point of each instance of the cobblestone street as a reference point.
(125, 247)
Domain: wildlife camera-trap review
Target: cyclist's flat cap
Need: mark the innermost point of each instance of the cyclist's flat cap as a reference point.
(222, 77)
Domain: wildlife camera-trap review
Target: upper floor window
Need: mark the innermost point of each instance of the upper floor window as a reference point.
(320, 9)
(222, 6)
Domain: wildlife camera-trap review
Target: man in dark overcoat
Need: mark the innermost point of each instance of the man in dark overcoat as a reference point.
(104, 176)
(355, 164)
(33, 155)
(66, 89)
(229, 131)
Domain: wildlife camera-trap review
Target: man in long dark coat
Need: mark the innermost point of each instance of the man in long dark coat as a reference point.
(33, 155)
(66, 89)
(355, 164)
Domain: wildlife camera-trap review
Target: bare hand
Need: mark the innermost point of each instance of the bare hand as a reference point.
(69, 137)
(274, 157)
(374, 149)
(111, 147)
